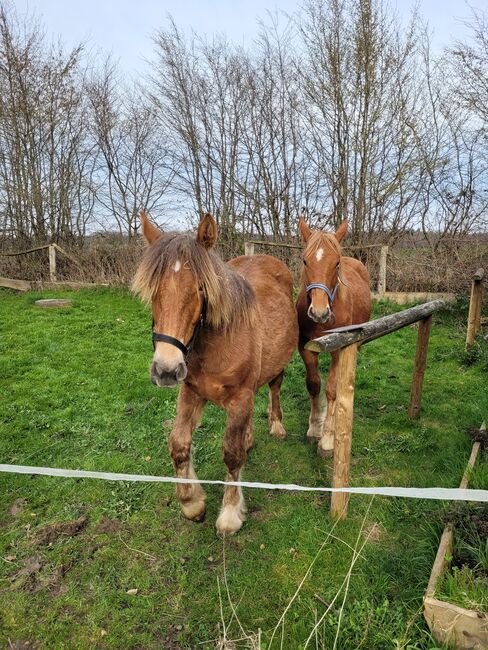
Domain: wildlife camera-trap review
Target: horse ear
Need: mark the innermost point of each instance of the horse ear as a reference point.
(341, 232)
(207, 231)
(304, 229)
(149, 230)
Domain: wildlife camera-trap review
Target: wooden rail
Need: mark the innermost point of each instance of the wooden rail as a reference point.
(347, 340)
(52, 248)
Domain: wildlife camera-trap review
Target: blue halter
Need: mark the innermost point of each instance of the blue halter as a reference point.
(317, 285)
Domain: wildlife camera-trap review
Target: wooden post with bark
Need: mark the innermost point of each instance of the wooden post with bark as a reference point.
(382, 270)
(249, 248)
(52, 263)
(474, 315)
(419, 367)
(343, 429)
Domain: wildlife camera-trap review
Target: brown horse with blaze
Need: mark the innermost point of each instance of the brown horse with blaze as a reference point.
(221, 331)
(334, 292)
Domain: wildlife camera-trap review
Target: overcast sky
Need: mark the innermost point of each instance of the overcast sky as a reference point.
(125, 27)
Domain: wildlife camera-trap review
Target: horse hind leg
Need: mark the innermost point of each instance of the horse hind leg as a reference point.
(191, 496)
(275, 415)
(239, 414)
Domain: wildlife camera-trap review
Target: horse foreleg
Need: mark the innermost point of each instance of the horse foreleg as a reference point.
(239, 416)
(275, 415)
(326, 443)
(188, 412)
(316, 419)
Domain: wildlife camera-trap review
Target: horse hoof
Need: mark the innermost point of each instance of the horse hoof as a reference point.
(311, 438)
(277, 430)
(195, 511)
(324, 453)
(229, 521)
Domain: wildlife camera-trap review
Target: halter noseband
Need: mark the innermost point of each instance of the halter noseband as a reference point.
(318, 285)
(186, 349)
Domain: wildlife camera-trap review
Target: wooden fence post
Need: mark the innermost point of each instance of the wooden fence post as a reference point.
(382, 270)
(419, 367)
(249, 248)
(474, 315)
(52, 263)
(343, 429)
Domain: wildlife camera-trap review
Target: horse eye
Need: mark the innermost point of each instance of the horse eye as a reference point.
(305, 262)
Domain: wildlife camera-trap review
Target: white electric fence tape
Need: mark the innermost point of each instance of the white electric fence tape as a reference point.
(444, 494)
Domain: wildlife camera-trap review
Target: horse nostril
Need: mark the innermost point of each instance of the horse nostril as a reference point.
(181, 372)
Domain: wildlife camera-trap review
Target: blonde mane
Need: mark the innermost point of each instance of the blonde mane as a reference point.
(229, 298)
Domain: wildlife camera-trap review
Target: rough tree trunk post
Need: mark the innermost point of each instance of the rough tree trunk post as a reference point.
(474, 315)
(382, 270)
(52, 263)
(343, 429)
(419, 367)
(249, 248)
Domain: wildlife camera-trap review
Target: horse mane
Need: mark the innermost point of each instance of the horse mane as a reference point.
(229, 298)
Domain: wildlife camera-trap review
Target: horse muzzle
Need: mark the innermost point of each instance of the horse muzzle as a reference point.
(163, 376)
(319, 316)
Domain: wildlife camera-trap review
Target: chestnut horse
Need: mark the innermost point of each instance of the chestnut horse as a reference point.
(221, 331)
(334, 292)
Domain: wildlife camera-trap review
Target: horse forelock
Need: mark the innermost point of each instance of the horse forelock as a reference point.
(229, 298)
(319, 239)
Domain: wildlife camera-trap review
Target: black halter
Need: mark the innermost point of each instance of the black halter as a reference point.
(186, 349)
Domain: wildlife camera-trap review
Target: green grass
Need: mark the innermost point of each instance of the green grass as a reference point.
(75, 392)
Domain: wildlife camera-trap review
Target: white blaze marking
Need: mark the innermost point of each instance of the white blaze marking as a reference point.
(177, 266)
(319, 254)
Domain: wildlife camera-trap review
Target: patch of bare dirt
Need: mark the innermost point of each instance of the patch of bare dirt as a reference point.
(374, 532)
(17, 507)
(20, 644)
(109, 526)
(50, 533)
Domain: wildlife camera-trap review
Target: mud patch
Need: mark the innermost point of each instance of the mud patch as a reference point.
(50, 533)
(109, 526)
(26, 577)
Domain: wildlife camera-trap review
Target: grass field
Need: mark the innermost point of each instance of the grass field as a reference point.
(75, 392)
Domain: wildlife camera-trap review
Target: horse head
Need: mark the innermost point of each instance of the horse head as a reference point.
(321, 269)
(169, 278)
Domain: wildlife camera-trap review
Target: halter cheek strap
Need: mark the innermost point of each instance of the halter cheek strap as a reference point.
(186, 349)
(318, 285)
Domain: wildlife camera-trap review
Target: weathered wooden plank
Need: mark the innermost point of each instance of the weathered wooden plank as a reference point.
(462, 628)
(18, 285)
(419, 367)
(375, 328)
(343, 429)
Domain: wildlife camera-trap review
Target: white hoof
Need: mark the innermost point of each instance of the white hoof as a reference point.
(277, 430)
(325, 448)
(230, 520)
(194, 510)
(314, 433)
